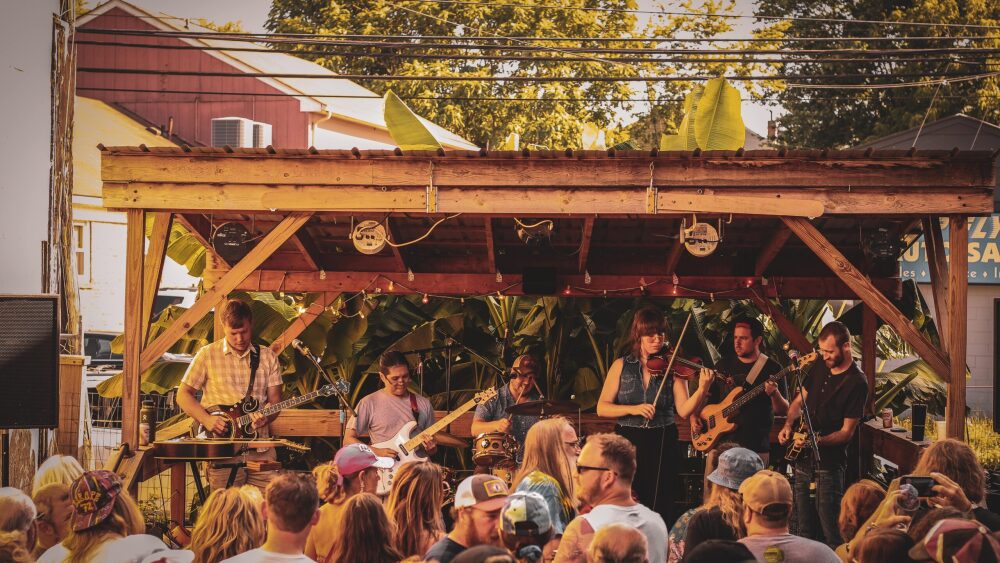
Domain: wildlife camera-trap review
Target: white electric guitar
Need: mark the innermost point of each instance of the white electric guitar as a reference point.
(406, 446)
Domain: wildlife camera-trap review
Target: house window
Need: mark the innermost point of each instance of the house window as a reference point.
(81, 253)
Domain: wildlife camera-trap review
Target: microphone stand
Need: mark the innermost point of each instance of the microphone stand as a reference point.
(805, 412)
(472, 352)
(342, 400)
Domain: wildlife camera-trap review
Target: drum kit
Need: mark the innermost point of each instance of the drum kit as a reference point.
(498, 452)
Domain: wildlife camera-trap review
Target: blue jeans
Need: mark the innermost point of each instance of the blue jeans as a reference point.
(817, 518)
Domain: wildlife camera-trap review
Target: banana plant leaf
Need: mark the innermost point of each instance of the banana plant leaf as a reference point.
(685, 139)
(922, 385)
(718, 122)
(511, 143)
(165, 375)
(592, 138)
(405, 127)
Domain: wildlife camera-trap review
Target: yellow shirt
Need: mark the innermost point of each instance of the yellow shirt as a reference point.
(327, 531)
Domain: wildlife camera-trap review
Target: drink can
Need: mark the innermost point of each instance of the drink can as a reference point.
(887, 418)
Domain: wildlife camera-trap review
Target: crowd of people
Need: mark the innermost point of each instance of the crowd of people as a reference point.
(568, 505)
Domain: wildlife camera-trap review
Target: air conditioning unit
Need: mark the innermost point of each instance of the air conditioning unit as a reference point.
(261, 134)
(232, 131)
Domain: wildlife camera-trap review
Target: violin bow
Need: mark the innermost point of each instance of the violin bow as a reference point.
(670, 365)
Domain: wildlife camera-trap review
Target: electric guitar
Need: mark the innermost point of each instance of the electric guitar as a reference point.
(239, 425)
(800, 439)
(406, 446)
(717, 419)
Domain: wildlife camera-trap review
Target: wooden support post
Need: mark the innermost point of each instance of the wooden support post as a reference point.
(585, 237)
(132, 372)
(958, 300)
(938, 267)
(215, 269)
(868, 293)
(307, 247)
(159, 238)
(491, 254)
(787, 327)
(274, 239)
(295, 329)
(869, 326)
(771, 249)
(178, 491)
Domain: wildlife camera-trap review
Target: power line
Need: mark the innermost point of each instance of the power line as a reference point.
(724, 16)
(943, 76)
(424, 56)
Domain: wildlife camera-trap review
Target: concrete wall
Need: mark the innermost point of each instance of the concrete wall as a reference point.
(25, 72)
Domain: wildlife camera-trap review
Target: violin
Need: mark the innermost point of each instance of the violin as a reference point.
(684, 368)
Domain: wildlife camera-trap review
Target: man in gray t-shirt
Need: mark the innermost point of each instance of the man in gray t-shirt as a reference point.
(767, 505)
(383, 413)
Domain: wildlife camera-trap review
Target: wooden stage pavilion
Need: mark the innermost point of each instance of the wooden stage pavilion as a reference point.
(608, 211)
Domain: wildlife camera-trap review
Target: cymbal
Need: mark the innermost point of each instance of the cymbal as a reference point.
(449, 440)
(544, 407)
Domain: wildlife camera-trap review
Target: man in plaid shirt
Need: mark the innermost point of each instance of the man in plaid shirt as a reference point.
(221, 371)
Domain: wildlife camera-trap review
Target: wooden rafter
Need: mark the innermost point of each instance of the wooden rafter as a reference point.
(200, 228)
(397, 253)
(132, 369)
(491, 251)
(674, 254)
(786, 326)
(958, 302)
(771, 249)
(307, 247)
(585, 236)
(938, 267)
(302, 322)
(228, 283)
(159, 237)
(868, 293)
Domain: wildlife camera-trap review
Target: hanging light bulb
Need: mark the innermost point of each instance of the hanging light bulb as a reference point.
(425, 300)
(567, 291)
(409, 274)
(391, 286)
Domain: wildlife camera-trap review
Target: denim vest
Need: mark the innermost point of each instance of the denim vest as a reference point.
(631, 392)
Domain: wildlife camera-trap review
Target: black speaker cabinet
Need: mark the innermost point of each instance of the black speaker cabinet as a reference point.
(29, 361)
(539, 281)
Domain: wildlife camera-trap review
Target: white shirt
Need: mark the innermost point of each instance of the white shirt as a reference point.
(637, 516)
(260, 556)
(130, 549)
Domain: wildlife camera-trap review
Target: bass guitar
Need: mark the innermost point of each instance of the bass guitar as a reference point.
(717, 419)
(406, 446)
(239, 424)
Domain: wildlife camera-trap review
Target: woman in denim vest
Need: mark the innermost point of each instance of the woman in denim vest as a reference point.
(628, 393)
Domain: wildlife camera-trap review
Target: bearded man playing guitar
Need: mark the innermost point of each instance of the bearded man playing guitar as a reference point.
(222, 372)
(383, 413)
(747, 368)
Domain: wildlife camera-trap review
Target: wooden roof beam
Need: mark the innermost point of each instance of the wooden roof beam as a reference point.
(585, 237)
(938, 267)
(201, 229)
(306, 246)
(491, 251)
(397, 252)
(771, 249)
(302, 322)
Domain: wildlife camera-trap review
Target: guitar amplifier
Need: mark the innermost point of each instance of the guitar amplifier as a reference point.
(29, 361)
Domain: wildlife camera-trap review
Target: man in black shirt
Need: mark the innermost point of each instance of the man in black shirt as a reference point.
(835, 393)
(754, 420)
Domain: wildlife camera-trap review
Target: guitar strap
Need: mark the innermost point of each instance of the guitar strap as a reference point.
(414, 409)
(254, 364)
(755, 370)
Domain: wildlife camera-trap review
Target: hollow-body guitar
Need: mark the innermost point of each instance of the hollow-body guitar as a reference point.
(239, 424)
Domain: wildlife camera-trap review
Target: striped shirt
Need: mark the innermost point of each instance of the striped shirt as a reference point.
(223, 375)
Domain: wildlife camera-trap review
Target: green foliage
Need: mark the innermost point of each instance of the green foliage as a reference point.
(555, 112)
(841, 118)
(405, 127)
(713, 120)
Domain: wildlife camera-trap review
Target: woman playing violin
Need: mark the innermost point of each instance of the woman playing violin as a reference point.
(628, 394)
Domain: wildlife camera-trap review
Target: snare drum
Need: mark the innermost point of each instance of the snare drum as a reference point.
(491, 448)
(505, 471)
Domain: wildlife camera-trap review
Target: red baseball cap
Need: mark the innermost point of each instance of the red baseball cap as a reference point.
(94, 495)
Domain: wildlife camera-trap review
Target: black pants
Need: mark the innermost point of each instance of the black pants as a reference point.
(657, 469)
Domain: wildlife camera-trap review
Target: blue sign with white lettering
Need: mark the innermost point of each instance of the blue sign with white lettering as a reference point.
(984, 253)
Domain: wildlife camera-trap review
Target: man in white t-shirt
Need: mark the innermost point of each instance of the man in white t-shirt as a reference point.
(291, 507)
(604, 472)
(767, 505)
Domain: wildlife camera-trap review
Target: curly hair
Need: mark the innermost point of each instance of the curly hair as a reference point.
(414, 507)
(859, 502)
(957, 461)
(12, 547)
(228, 524)
(367, 533)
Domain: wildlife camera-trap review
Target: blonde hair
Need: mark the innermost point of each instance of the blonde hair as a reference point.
(62, 469)
(414, 506)
(228, 524)
(957, 461)
(12, 547)
(124, 520)
(330, 491)
(543, 450)
(730, 505)
(367, 533)
(859, 502)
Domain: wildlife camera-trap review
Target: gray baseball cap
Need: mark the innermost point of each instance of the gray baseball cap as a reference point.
(735, 466)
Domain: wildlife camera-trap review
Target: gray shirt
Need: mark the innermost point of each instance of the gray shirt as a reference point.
(381, 415)
(789, 548)
(496, 408)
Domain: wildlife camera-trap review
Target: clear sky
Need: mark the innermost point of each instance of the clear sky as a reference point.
(253, 13)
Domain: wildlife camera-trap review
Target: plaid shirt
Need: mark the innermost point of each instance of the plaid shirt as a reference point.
(223, 375)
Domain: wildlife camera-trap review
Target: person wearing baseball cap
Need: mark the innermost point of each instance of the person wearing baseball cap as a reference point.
(719, 517)
(525, 525)
(491, 416)
(958, 540)
(354, 470)
(107, 524)
(478, 502)
(767, 506)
